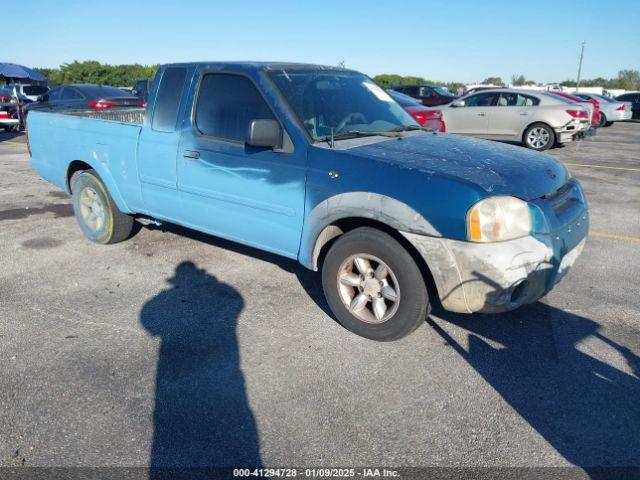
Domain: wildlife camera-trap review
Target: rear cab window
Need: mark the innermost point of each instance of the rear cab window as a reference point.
(167, 104)
(226, 105)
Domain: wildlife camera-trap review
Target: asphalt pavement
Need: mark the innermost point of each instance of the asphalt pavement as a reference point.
(179, 349)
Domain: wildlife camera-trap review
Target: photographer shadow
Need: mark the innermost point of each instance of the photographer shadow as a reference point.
(202, 418)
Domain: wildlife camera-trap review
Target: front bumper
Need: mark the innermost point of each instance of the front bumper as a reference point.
(498, 277)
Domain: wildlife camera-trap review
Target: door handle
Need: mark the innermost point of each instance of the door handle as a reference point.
(482, 114)
(524, 114)
(333, 175)
(191, 154)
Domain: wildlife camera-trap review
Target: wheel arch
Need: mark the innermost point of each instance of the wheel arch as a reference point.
(104, 176)
(342, 213)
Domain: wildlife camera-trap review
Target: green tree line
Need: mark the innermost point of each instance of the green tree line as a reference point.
(92, 71)
(95, 72)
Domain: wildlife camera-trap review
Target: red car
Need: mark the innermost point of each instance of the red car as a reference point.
(431, 119)
(595, 118)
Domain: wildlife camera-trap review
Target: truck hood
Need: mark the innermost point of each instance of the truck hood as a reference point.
(496, 168)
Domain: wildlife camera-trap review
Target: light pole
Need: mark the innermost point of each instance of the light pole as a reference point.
(580, 66)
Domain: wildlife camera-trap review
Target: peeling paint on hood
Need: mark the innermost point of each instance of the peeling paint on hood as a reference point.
(496, 168)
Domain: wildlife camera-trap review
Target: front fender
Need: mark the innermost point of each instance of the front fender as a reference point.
(381, 208)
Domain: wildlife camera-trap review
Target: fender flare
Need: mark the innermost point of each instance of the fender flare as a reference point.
(319, 226)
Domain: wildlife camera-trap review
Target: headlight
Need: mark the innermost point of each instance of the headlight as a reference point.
(495, 219)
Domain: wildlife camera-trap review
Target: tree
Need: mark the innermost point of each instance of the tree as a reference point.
(492, 81)
(628, 79)
(92, 71)
(518, 80)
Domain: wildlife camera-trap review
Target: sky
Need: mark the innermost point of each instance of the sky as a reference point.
(463, 40)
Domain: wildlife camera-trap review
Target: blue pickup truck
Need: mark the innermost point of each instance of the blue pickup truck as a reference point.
(319, 164)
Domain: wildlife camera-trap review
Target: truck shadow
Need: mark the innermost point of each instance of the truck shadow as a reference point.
(308, 279)
(541, 361)
(202, 418)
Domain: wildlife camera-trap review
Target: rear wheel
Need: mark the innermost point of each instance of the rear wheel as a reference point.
(603, 120)
(373, 286)
(539, 137)
(98, 217)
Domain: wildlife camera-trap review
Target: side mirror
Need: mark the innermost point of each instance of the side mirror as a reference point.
(265, 133)
(457, 103)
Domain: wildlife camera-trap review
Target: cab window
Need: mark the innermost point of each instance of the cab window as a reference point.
(226, 106)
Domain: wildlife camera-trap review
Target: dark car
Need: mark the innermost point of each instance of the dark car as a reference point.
(634, 98)
(83, 96)
(428, 95)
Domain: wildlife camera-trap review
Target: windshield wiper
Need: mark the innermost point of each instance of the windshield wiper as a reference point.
(354, 134)
(410, 128)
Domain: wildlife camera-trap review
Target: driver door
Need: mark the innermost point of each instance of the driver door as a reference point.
(472, 118)
(251, 195)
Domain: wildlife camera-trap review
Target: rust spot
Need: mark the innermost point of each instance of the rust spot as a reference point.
(60, 210)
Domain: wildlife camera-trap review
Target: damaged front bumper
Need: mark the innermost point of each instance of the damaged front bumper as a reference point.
(501, 276)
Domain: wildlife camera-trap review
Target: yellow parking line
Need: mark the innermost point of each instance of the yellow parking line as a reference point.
(628, 169)
(14, 143)
(596, 233)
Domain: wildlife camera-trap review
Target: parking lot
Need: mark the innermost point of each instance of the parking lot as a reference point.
(175, 348)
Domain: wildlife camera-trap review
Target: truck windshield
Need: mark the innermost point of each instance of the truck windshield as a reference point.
(334, 102)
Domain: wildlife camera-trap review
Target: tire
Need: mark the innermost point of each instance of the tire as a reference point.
(608, 124)
(603, 120)
(404, 279)
(539, 137)
(96, 213)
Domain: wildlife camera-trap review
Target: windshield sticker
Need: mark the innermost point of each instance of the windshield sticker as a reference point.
(378, 92)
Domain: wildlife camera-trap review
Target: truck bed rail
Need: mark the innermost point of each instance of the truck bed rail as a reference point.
(121, 115)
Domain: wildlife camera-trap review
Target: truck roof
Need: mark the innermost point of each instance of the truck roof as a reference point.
(261, 65)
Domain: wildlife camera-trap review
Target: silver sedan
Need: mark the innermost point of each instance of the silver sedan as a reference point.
(536, 119)
(611, 110)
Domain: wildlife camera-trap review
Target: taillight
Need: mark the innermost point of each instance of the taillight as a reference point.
(420, 117)
(101, 104)
(621, 107)
(142, 104)
(4, 114)
(578, 113)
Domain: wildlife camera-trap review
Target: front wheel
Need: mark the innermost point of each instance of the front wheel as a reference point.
(373, 286)
(98, 217)
(539, 137)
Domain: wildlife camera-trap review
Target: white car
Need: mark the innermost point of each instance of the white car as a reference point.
(32, 92)
(611, 110)
(536, 119)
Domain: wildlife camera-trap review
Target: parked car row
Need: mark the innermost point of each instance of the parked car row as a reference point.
(83, 96)
(12, 106)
